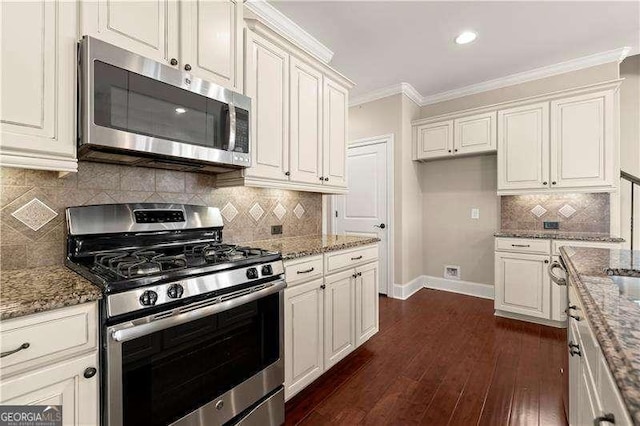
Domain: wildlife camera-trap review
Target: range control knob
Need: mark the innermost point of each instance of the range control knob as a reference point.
(252, 273)
(175, 291)
(148, 298)
(267, 270)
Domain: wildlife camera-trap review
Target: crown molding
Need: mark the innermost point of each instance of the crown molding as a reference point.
(285, 26)
(405, 88)
(616, 55)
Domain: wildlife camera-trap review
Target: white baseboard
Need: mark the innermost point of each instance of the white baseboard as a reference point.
(468, 288)
(403, 292)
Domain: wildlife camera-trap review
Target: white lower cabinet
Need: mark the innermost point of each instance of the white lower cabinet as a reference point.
(51, 358)
(328, 317)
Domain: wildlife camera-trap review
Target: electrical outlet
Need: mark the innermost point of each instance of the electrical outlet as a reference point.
(276, 229)
(475, 213)
(551, 225)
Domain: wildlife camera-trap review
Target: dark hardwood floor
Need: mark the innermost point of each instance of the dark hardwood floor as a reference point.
(442, 358)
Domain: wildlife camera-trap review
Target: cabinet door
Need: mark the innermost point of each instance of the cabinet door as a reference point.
(303, 344)
(148, 28)
(523, 285)
(38, 84)
(267, 83)
(475, 134)
(306, 123)
(335, 99)
(366, 302)
(211, 40)
(59, 384)
(434, 140)
(582, 141)
(339, 317)
(523, 147)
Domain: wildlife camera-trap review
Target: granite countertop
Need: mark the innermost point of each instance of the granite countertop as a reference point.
(294, 247)
(27, 291)
(612, 306)
(559, 235)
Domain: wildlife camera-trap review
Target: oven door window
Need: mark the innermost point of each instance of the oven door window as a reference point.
(133, 103)
(170, 373)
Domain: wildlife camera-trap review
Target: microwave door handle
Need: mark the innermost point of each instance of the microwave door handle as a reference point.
(232, 127)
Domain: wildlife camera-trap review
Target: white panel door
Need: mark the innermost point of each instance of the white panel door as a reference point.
(363, 210)
(267, 83)
(366, 302)
(475, 134)
(523, 147)
(303, 344)
(339, 317)
(522, 284)
(38, 80)
(335, 99)
(148, 28)
(305, 123)
(434, 140)
(211, 41)
(582, 141)
(59, 384)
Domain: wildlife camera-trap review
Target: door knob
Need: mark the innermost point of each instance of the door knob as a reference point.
(381, 226)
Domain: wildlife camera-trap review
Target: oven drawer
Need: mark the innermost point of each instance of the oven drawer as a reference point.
(305, 269)
(523, 245)
(338, 260)
(47, 337)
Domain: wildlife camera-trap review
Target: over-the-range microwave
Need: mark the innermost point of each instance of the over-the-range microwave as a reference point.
(136, 111)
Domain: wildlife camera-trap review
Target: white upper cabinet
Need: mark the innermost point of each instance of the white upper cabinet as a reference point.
(306, 122)
(582, 134)
(335, 133)
(267, 83)
(211, 41)
(523, 147)
(148, 28)
(38, 85)
(434, 140)
(475, 134)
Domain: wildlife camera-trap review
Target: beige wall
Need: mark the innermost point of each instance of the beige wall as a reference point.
(578, 78)
(451, 188)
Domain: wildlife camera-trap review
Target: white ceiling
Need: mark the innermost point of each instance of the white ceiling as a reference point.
(383, 43)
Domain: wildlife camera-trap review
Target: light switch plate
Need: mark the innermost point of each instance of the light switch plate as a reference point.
(475, 213)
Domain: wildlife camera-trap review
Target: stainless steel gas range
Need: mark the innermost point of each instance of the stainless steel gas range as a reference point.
(192, 328)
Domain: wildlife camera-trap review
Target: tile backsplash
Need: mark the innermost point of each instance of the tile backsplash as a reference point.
(32, 204)
(575, 212)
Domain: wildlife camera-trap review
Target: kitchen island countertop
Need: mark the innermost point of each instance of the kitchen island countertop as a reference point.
(558, 235)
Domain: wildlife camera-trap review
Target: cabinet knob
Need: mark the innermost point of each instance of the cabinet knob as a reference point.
(187, 67)
(321, 178)
(449, 150)
(287, 173)
(455, 150)
(90, 372)
(323, 286)
(326, 179)
(553, 183)
(546, 261)
(173, 61)
(545, 183)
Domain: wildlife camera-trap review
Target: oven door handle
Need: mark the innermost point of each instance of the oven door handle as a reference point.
(129, 331)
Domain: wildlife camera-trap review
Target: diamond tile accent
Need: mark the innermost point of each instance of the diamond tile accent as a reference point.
(279, 211)
(538, 210)
(298, 210)
(229, 212)
(35, 214)
(256, 211)
(567, 211)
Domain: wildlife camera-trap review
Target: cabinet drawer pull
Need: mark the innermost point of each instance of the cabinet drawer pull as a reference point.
(357, 258)
(575, 317)
(21, 347)
(520, 245)
(306, 271)
(608, 418)
(566, 311)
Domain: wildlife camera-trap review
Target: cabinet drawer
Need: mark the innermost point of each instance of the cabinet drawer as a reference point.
(556, 244)
(300, 270)
(50, 336)
(523, 245)
(348, 258)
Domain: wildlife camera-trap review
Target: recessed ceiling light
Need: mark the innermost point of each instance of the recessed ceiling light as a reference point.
(180, 110)
(466, 37)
